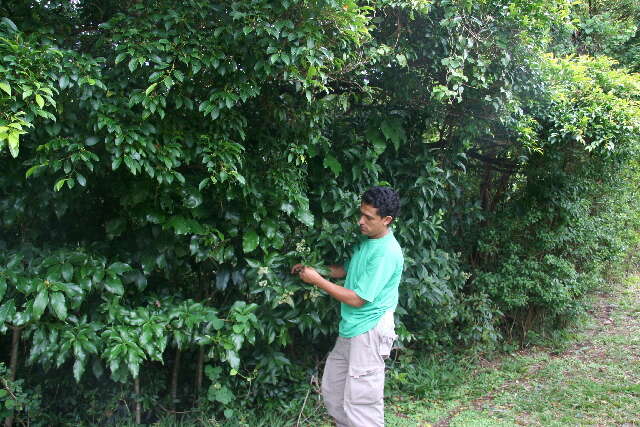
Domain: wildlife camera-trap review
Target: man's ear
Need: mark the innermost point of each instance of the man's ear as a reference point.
(387, 220)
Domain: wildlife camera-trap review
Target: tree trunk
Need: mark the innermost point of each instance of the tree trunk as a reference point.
(500, 190)
(199, 370)
(174, 380)
(136, 385)
(200, 363)
(13, 365)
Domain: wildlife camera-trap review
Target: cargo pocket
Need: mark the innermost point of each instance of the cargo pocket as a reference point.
(385, 335)
(366, 386)
(385, 346)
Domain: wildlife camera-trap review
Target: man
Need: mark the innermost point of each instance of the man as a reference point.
(353, 380)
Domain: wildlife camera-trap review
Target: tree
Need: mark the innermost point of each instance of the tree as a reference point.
(165, 164)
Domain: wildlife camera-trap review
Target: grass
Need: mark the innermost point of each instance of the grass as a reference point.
(586, 376)
(595, 380)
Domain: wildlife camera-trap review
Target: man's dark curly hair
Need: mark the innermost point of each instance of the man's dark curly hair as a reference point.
(386, 199)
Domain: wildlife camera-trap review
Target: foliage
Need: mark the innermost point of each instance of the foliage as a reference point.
(602, 27)
(569, 215)
(13, 397)
(165, 164)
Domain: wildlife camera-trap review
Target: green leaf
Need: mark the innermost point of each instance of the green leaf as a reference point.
(40, 303)
(119, 268)
(222, 279)
(8, 22)
(32, 170)
(133, 363)
(388, 129)
(97, 368)
(312, 71)
(224, 395)
(333, 164)
(3, 288)
(376, 139)
(150, 88)
(78, 369)
(146, 338)
(81, 179)
(140, 280)
(131, 163)
(217, 323)
(63, 82)
(39, 101)
(250, 241)
(114, 285)
(181, 225)
(57, 301)
(7, 311)
(13, 144)
(5, 87)
(67, 272)
(233, 359)
(179, 75)
(133, 64)
(90, 347)
(120, 57)
(212, 372)
(115, 164)
(91, 141)
(305, 217)
(393, 131)
(59, 184)
(378, 144)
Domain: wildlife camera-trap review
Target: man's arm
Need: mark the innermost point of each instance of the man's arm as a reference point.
(311, 276)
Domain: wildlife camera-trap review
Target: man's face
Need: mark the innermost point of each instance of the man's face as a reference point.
(371, 223)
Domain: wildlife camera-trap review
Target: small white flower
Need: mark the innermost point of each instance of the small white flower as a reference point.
(262, 283)
(263, 270)
(301, 247)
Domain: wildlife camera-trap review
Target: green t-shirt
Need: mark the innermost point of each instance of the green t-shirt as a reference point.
(374, 274)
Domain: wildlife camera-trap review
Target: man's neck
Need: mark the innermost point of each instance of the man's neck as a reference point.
(381, 235)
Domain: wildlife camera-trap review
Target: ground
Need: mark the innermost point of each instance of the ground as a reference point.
(592, 379)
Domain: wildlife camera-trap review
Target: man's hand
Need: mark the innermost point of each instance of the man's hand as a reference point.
(310, 275)
(297, 268)
(307, 274)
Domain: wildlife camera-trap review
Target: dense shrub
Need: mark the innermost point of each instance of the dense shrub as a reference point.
(164, 164)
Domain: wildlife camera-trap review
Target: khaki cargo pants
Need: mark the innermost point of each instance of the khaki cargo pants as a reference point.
(353, 379)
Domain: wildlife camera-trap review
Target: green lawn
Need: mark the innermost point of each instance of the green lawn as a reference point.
(594, 380)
